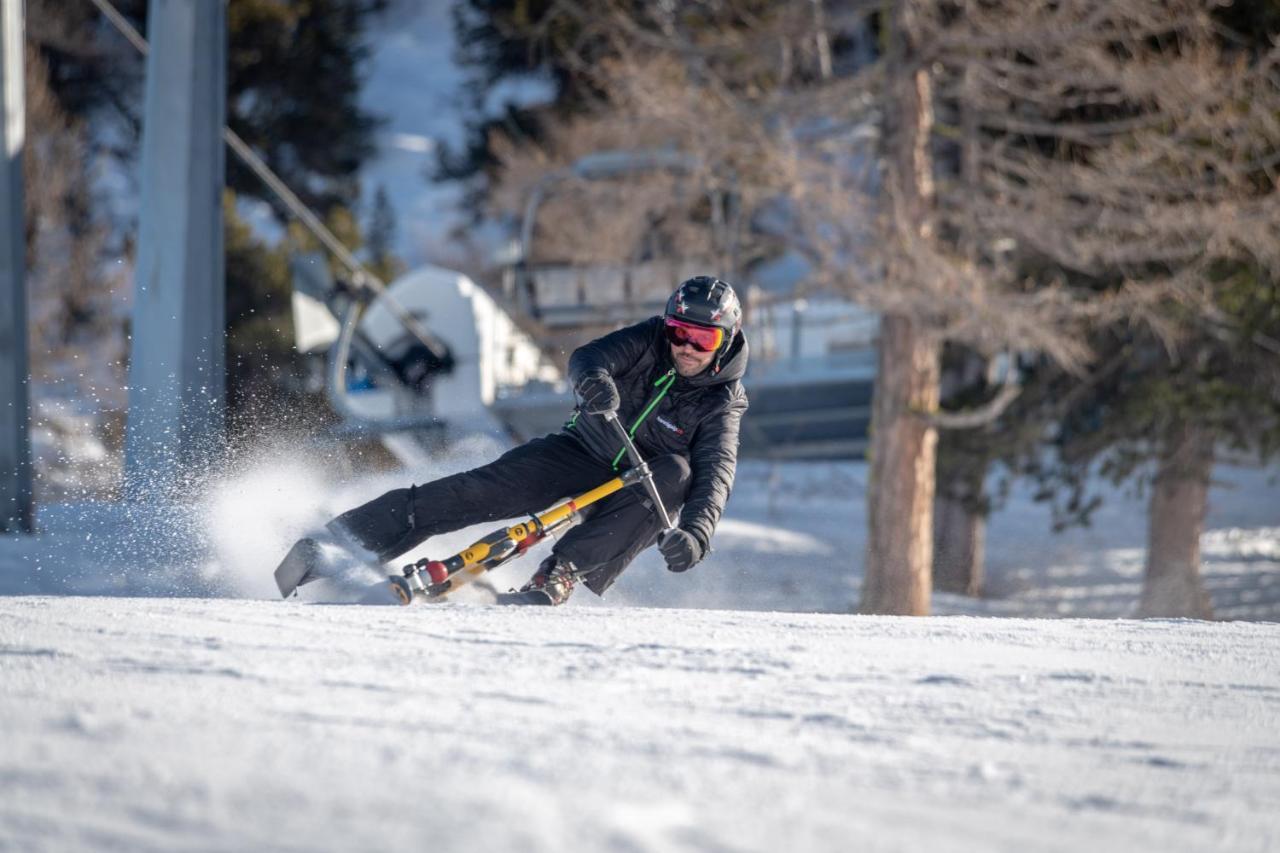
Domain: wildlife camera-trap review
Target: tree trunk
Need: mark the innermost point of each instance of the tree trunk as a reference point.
(959, 522)
(903, 448)
(1179, 498)
(959, 545)
(900, 492)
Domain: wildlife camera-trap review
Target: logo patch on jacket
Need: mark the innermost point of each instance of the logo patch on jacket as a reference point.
(669, 425)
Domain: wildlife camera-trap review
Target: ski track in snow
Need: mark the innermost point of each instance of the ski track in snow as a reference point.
(154, 724)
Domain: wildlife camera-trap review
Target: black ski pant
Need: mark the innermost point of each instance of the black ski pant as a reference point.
(523, 481)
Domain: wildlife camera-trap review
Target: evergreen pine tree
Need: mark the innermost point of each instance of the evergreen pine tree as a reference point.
(380, 244)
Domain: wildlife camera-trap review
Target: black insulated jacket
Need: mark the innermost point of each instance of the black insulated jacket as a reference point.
(696, 417)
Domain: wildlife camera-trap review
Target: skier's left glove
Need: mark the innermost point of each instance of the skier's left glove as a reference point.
(680, 549)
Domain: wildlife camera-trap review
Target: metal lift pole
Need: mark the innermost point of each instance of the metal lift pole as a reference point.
(15, 443)
(177, 363)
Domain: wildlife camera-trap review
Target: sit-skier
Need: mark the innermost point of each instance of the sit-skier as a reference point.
(674, 382)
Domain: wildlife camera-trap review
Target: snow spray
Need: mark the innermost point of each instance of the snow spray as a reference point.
(277, 492)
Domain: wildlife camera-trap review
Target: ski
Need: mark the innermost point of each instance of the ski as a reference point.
(300, 566)
(314, 558)
(533, 597)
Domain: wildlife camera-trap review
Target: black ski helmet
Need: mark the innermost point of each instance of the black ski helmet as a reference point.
(708, 301)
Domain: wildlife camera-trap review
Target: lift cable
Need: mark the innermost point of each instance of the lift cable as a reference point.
(362, 278)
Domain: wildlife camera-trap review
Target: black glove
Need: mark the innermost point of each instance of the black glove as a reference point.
(597, 394)
(680, 549)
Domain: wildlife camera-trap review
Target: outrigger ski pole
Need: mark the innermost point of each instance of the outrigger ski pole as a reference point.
(433, 580)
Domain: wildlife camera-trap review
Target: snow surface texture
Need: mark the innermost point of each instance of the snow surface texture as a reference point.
(197, 718)
(150, 724)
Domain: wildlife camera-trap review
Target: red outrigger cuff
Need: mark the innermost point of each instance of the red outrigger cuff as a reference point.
(701, 338)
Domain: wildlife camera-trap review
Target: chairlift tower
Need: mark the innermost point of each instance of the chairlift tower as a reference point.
(177, 363)
(15, 443)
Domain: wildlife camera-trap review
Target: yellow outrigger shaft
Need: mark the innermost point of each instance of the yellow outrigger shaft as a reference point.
(433, 580)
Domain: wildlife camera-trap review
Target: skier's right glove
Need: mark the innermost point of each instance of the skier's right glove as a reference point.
(596, 393)
(680, 549)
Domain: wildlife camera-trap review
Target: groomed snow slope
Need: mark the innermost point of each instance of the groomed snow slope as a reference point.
(184, 724)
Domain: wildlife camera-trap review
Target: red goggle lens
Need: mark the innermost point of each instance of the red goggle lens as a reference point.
(701, 338)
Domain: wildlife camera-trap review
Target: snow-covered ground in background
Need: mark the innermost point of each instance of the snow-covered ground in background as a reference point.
(156, 697)
(794, 536)
(792, 539)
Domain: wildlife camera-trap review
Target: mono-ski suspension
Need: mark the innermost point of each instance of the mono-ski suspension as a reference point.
(434, 580)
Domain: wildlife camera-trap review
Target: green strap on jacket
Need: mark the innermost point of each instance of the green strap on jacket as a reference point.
(665, 381)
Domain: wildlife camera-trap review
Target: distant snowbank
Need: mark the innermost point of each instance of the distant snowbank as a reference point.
(792, 539)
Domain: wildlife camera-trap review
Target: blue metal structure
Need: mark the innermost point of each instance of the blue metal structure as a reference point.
(176, 369)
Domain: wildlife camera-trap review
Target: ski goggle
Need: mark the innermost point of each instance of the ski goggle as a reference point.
(701, 338)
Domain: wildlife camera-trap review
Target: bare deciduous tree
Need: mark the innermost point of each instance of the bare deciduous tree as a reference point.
(1098, 156)
(1109, 145)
